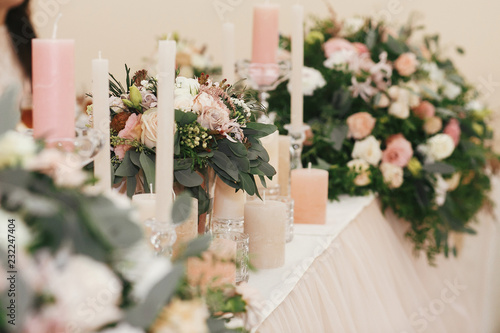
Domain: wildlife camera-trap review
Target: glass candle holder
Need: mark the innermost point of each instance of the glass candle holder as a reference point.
(162, 236)
(241, 260)
(221, 225)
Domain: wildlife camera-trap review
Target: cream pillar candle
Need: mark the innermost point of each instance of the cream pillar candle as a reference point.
(146, 205)
(271, 144)
(188, 230)
(297, 102)
(100, 101)
(228, 50)
(54, 98)
(228, 204)
(284, 165)
(310, 193)
(165, 139)
(265, 223)
(265, 33)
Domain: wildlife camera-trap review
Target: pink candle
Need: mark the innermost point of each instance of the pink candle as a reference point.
(310, 193)
(53, 88)
(265, 33)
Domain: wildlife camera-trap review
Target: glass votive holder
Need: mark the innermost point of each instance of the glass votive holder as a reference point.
(162, 236)
(269, 192)
(288, 201)
(241, 260)
(227, 225)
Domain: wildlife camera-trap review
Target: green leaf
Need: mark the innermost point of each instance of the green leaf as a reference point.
(224, 163)
(258, 130)
(127, 168)
(185, 118)
(195, 248)
(148, 166)
(134, 157)
(322, 164)
(131, 186)
(135, 96)
(181, 209)
(395, 46)
(442, 168)
(243, 164)
(183, 163)
(248, 183)
(237, 148)
(128, 103)
(267, 169)
(188, 178)
(338, 136)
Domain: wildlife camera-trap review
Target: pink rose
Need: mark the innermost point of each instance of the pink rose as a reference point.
(361, 48)
(132, 131)
(424, 110)
(453, 130)
(406, 64)
(337, 44)
(361, 125)
(398, 151)
(204, 102)
(214, 118)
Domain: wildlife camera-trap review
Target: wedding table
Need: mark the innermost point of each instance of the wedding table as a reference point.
(358, 273)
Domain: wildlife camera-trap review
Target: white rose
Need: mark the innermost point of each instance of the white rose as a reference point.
(399, 110)
(339, 58)
(362, 168)
(451, 90)
(414, 94)
(352, 25)
(368, 150)
(16, 148)
(214, 118)
(383, 101)
(184, 102)
(183, 316)
(116, 104)
(440, 146)
(311, 80)
(474, 105)
(440, 189)
(123, 328)
(435, 74)
(149, 125)
(393, 92)
(393, 175)
(184, 86)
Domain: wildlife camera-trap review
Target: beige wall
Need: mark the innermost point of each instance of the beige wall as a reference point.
(125, 30)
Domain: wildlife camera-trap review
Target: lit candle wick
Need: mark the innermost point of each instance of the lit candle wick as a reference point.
(150, 185)
(309, 166)
(56, 22)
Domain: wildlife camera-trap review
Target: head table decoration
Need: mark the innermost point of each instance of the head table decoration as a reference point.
(215, 133)
(393, 115)
(82, 264)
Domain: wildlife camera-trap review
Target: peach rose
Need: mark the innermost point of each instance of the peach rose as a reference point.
(406, 64)
(361, 125)
(337, 44)
(433, 125)
(424, 110)
(398, 151)
(132, 131)
(361, 48)
(453, 130)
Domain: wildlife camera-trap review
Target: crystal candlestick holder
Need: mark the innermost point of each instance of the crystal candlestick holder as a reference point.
(162, 236)
(298, 136)
(263, 77)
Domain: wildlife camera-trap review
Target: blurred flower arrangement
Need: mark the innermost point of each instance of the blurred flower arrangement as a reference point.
(192, 60)
(82, 262)
(396, 117)
(215, 129)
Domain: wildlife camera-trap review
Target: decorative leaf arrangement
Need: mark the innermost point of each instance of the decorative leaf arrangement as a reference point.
(397, 118)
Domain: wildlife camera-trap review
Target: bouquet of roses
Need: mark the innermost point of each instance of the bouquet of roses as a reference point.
(397, 118)
(215, 130)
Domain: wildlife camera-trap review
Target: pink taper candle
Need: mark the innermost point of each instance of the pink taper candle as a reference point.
(310, 193)
(53, 88)
(265, 33)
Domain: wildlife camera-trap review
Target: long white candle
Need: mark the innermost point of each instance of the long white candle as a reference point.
(228, 52)
(165, 136)
(100, 100)
(297, 114)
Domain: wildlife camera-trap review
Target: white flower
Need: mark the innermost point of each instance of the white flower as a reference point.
(149, 100)
(184, 86)
(215, 118)
(383, 101)
(204, 102)
(393, 92)
(451, 90)
(149, 125)
(123, 328)
(183, 316)
(362, 168)
(253, 300)
(474, 105)
(368, 150)
(393, 175)
(352, 25)
(311, 80)
(340, 58)
(399, 110)
(116, 104)
(16, 148)
(414, 96)
(440, 189)
(200, 61)
(363, 89)
(184, 102)
(435, 74)
(439, 147)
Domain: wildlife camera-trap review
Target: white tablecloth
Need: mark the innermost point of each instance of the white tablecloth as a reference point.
(358, 274)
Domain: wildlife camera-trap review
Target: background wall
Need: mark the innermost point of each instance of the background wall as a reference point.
(126, 30)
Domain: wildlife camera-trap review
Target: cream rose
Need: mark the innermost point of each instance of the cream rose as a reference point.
(214, 118)
(183, 316)
(399, 110)
(184, 86)
(368, 150)
(440, 146)
(149, 125)
(383, 101)
(116, 104)
(393, 175)
(433, 125)
(204, 102)
(362, 168)
(406, 64)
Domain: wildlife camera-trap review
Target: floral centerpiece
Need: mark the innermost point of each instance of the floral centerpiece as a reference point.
(215, 129)
(82, 263)
(394, 116)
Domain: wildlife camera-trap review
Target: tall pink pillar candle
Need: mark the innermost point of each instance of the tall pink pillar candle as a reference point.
(53, 88)
(265, 33)
(310, 193)
(265, 224)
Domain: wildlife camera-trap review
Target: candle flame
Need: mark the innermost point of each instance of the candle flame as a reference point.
(56, 23)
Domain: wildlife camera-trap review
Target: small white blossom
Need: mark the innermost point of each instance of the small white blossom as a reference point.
(311, 80)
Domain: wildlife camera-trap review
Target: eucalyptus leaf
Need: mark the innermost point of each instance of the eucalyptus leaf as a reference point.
(131, 186)
(397, 47)
(182, 163)
(135, 157)
(127, 168)
(267, 169)
(237, 148)
(148, 167)
(339, 134)
(185, 118)
(195, 248)
(224, 163)
(445, 112)
(181, 209)
(248, 183)
(442, 168)
(10, 109)
(188, 178)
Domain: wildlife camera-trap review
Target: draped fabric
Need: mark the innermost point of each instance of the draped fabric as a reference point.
(369, 280)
